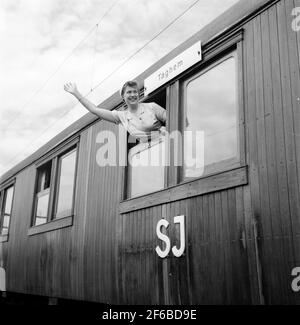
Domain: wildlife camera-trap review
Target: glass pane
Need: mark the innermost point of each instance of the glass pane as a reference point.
(8, 199)
(6, 221)
(4, 231)
(44, 177)
(40, 221)
(211, 119)
(42, 206)
(146, 168)
(66, 184)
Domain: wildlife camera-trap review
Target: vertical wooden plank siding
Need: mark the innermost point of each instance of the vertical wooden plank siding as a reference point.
(274, 181)
(199, 276)
(16, 266)
(294, 134)
(77, 262)
(296, 110)
(77, 254)
(271, 203)
(139, 276)
(100, 234)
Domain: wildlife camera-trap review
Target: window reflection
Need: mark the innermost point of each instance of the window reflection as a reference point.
(7, 207)
(66, 184)
(211, 110)
(6, 221)
(146, 168)
(42, 208)
(8, 200)
(44, 177)
(43, 193)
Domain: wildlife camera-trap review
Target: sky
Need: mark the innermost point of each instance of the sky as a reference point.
(45, 44)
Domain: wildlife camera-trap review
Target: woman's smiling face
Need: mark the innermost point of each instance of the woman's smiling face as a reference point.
(131, 95)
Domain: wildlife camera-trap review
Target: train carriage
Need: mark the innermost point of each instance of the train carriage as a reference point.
(225, 231)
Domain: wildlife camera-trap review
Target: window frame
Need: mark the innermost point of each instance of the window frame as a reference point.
(52, 222)
(38, 196)
(223, 165)
(3, 190)
(126, 186)
(130, 172)
(57, 182)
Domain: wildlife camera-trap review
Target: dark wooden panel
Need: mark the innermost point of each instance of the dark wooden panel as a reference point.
(214, 268)
(284, 29)
(139, 276)
(293, 120)
(77, 262)
(271, 63)
(78, 250)
(271, 198)
(178, 275)
(295, 82)
(260, 127)
(100, 235)
(255, 276)
(219, 269)
(20, 220)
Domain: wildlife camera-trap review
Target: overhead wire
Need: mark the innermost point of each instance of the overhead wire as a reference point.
(95, 27)
(145, 45)
(107, 77)
(94, 59)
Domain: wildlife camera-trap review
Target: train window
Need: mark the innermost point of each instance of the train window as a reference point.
(211, 119)
(146, 171)
(55, 187)
(146, 160)
(7, 199)
(66, 180)
(43, 193)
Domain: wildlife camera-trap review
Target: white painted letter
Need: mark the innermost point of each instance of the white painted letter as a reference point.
(178, 252)
(164, 238)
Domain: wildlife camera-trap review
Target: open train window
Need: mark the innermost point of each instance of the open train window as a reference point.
(43, 193)
(211, 141)
(146, 159)
(6, 202)
(55, 187)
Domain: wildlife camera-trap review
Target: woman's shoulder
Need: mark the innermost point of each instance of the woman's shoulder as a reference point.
(159, 111)
(120, 115)
(151, 106)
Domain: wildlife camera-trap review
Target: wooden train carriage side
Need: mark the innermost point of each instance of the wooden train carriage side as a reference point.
(241, 223)
(76, 262)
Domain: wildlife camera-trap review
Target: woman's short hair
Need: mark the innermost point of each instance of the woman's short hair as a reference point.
(131, 83)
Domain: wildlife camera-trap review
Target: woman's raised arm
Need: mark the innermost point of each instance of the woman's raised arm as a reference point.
(103, 113)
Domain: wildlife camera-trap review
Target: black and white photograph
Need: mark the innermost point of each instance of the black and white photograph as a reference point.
(149, 155)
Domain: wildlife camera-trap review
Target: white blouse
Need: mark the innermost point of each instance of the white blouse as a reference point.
(151, 118)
